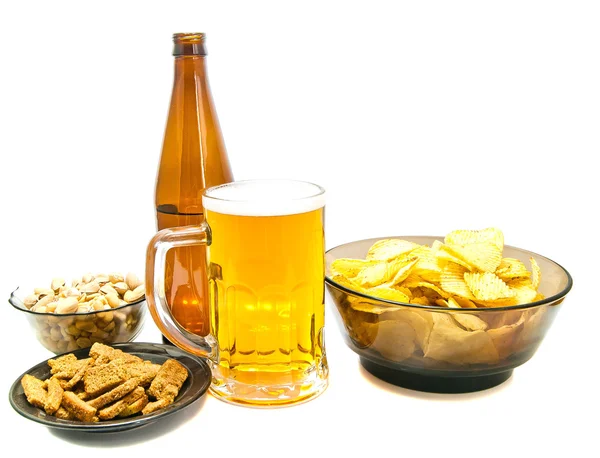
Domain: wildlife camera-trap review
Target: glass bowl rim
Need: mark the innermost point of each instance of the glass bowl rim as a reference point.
(17, 303)
(547, 300)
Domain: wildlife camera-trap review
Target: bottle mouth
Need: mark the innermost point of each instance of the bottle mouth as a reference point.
(189, 44)
(194, 37)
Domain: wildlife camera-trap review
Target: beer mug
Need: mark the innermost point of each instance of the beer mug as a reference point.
(265, 257)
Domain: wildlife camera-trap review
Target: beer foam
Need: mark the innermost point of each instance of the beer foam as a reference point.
(264, 198)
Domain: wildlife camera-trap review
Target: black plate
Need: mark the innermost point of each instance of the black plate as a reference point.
(198, 381)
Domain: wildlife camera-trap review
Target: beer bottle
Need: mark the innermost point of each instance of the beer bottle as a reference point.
(193, 158)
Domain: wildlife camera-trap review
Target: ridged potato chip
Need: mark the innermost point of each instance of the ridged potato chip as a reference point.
(464, 303)
(484, 256)
(536, 276)
(523, 291)
(444, 256)
(347, 283)
(382, 272)
(510, 269)
(405, 270)
(388, 293)
(428, 266)
(414, 281)
(452, 303)
(470, 237)
(422, 300)
(387, 249)
(486, 286)
(467, 271)
(453, 281)
(348, 267)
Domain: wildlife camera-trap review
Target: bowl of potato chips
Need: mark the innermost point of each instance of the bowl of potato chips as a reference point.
(444, 314)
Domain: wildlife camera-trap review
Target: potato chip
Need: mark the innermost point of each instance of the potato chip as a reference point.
(523, 291)
(347, 283)
(415, 282)
(452, 303)
(470, 322)
(420, 321)
(450, 343)
(369, 307)
(470, 237)
(510, 269)
(422, 300)
(388, 293)
(505, 337)
(486, 286)
(405, 270)
(467, 271)
(388, 249)
(444, 256)
(464, 302)
(395, 340)
(349, 268)
(404, 290)
(453, 281)
(427, 267)
(533, 328)
(536, 276)
(363, 333)
(380, 273)
(484, 256)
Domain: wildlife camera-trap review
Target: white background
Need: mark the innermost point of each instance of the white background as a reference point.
(417, 117)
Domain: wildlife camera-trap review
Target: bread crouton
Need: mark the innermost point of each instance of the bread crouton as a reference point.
(100, 379)
(80, 409)
(168, 380)
(135, 407)
(34, 390)
(54, 398)
(116, 408)
(116, 393)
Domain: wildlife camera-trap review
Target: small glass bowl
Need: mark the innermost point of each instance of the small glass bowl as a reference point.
(66, 332)
(422, 348)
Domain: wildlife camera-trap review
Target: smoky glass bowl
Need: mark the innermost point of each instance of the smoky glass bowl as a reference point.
(66, 332)
(411, 345)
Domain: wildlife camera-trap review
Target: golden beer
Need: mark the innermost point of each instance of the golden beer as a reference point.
(265, 258)
(266, 296)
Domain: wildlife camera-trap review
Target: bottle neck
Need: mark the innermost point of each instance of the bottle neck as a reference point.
(190, 66)
(193, 46)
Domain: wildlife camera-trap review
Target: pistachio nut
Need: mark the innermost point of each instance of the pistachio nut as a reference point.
(115, 278)
(121, 287)
(132, 281)
(136, 294)
(67, 305)
(92, 287)
(108, 289)
(57, 283)
(30, 300)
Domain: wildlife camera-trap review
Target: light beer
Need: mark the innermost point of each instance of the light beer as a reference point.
(266, 293)
(265, 257)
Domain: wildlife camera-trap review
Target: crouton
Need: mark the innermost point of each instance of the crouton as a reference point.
(34, 390)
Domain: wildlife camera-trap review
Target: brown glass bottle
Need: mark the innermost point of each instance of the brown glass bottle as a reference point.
(193, 158)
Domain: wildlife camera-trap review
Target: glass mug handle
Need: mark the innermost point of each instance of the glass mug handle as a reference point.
(156, 255)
